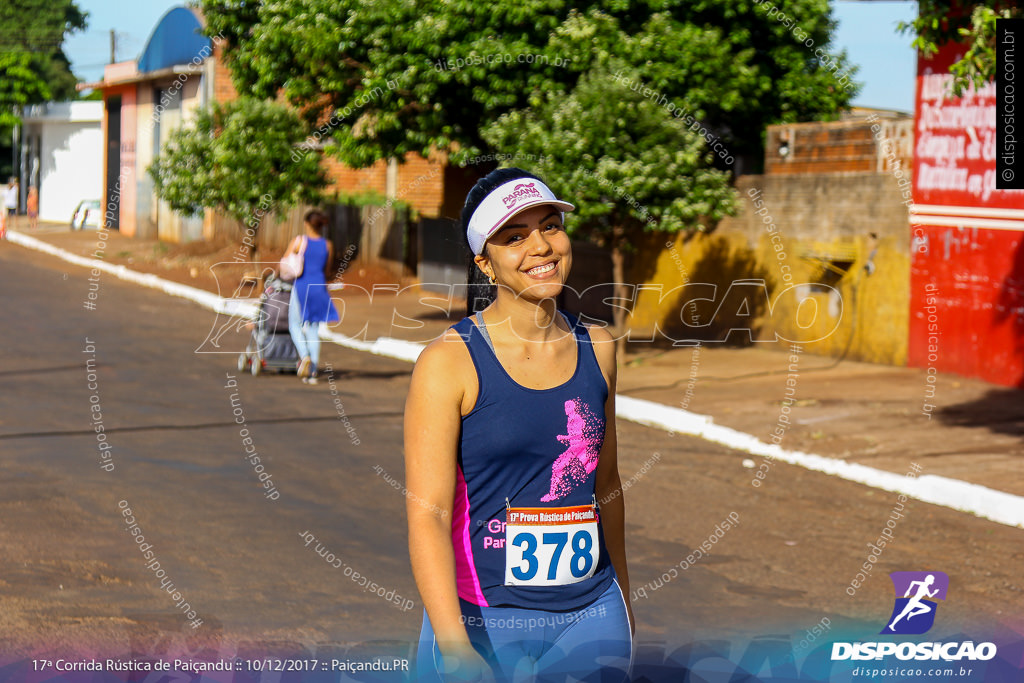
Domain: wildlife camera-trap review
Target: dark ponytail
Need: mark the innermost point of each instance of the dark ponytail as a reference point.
(480, 293)
(317, 220)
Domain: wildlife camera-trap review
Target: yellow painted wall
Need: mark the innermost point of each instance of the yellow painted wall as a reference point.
(713, 286)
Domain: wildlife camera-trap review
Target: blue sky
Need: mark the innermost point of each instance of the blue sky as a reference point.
(888, 65)
(867, 31)
(132, 21)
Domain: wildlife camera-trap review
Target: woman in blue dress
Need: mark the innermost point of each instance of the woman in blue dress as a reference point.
(311, 302)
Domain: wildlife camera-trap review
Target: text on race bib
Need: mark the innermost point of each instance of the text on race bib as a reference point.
(550, 546)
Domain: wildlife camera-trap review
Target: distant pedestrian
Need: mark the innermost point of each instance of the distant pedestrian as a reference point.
(11, 201)
(311, 302)
(32, 208)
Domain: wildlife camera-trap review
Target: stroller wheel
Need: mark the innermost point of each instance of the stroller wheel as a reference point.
(256, 366)
(243, 361)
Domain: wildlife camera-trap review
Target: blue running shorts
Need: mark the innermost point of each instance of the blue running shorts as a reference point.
(591, 644)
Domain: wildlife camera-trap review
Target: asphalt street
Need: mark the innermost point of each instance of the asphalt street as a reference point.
(183, 427)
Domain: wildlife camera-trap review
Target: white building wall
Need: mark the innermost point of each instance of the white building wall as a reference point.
(70, 155)
(70, 168)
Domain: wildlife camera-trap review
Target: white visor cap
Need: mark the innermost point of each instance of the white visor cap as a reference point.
(504, 202)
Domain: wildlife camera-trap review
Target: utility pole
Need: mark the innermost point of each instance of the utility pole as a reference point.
(113, 46)
(14, 151)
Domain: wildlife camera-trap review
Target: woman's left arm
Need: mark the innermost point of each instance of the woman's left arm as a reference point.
(608, 486)
(330, 261)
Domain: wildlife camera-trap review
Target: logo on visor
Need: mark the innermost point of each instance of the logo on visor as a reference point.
(520, 191)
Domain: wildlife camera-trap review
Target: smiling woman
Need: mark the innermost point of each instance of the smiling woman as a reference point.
(510, 442)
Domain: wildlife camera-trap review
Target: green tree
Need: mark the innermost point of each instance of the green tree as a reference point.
(973, 23)
(398, 76)
(33, 67)
(242, 158)
(546, 78)
(639, 167)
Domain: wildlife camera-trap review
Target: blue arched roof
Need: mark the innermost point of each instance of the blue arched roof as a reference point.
(175, 40)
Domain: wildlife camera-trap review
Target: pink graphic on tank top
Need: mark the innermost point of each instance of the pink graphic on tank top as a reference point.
(584, 436)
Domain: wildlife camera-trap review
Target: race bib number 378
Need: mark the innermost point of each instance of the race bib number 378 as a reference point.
(550, 546)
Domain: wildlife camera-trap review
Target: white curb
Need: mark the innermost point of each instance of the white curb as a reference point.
(997, 506)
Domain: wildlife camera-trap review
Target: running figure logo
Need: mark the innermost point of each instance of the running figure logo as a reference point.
(584, 435)
(914, 613)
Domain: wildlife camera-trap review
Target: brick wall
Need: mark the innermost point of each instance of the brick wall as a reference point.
(860, 145)
(352, 181)
(418, 182)
(421, 184)
(223, 88)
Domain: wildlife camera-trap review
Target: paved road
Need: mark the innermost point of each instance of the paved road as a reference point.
(73, 580)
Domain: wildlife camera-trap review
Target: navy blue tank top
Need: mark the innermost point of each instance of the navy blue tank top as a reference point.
(525, 448)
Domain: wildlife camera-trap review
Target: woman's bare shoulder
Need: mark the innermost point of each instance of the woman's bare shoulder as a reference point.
(598, 333)
(447, 356)
(604, 348)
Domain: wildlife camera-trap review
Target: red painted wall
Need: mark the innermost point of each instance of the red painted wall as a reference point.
(967, 265)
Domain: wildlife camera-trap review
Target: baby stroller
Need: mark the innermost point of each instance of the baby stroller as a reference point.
(271, 346)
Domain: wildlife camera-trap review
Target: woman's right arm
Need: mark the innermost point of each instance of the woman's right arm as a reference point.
(432, 423)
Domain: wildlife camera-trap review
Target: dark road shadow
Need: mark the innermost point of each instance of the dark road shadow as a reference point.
(1000, 411)
(342, 374)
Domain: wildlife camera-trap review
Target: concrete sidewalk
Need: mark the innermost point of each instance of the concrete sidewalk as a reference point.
(848, 411)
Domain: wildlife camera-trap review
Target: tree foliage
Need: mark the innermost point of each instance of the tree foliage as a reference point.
(545, 78)
(240, 158)
(406, 75)
(638, 166)
(627, 163)
(973, 23)
(33, 67)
